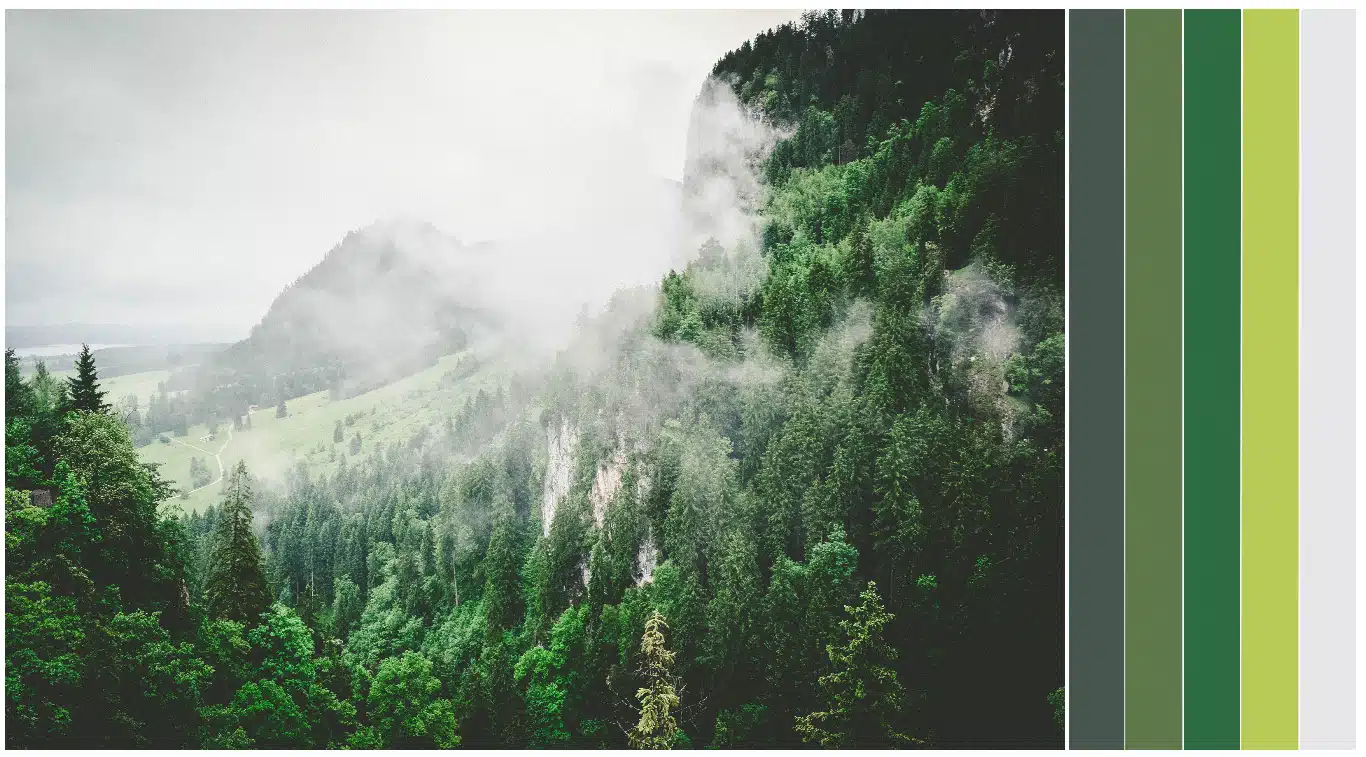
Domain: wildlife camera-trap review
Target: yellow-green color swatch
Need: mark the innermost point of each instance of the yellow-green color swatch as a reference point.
(1270, 380)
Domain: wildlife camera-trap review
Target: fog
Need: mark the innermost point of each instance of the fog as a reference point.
(187, 166)
(396, 293)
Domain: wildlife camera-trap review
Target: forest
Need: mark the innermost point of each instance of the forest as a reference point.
(806, 492)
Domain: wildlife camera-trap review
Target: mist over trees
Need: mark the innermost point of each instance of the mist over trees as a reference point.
(807, 491)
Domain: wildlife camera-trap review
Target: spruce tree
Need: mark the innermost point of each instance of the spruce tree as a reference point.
(657, 728)
(501, 564)
(18, 395)
(83, 388)
(236, 587)
(865, 698)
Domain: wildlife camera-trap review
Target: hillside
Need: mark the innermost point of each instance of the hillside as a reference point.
(392, 297)
(382, 304)
(424, 404)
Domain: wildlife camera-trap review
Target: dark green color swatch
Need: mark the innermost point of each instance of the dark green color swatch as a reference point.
(1152, 380)
(1213, 266)
(1095, 142)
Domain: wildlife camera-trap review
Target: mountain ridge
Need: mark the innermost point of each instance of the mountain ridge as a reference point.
(385, 301)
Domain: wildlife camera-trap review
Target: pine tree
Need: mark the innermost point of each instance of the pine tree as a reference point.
(236, 587)
(501, 596)
(280, 410)
(863, 693)
(84, 388)
(657, 728)
(23, 462)
(18, 395)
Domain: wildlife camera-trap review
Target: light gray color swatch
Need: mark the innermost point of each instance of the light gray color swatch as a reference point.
(1328, 380)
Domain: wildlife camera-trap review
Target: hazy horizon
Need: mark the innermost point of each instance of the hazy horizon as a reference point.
(185, 167)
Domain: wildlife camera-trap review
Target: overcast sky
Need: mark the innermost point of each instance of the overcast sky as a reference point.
(186, 166)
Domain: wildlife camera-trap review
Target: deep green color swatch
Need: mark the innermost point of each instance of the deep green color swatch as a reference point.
(1152, 402)
(1095, 423)
(1213, 262)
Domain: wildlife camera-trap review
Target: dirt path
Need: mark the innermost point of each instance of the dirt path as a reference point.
(216, 456)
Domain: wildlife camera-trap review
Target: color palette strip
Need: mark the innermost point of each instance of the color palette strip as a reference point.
(1211, 379)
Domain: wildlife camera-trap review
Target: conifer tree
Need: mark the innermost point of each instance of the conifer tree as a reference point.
(22, 459)
(236, 587)
(657, 728)
(863, 694)
(83, 388)
(18, 395)
(500, 584)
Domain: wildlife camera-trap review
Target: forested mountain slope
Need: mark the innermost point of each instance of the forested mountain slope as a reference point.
(808, 491)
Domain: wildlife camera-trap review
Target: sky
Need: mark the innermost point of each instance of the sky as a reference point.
(182, 166)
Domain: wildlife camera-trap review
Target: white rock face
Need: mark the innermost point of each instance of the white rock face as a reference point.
(605, 485)
(560, 453)
(642, 487)
(646, 561)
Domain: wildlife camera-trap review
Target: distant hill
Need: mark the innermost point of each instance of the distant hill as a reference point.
(392, 297)
(387, 301)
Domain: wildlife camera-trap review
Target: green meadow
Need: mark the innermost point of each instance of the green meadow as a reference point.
(141, 385)
(272, 446)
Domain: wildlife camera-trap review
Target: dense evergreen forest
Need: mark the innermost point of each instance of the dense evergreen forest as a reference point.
(807, 492)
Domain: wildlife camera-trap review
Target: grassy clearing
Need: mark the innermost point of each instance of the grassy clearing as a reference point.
(140, 385)
(392, 413)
